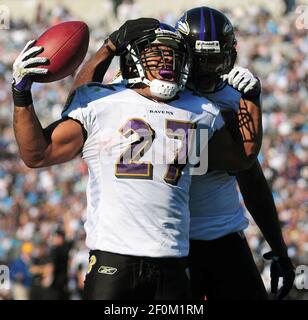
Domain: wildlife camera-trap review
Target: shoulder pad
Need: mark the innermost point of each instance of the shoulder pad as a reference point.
(87, 93)
(226, 98)
(101, 86)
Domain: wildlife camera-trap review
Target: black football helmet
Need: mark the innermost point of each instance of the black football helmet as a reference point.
(140, 54)
(211, 37)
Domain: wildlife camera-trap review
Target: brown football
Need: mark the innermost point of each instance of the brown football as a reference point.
(65, 45)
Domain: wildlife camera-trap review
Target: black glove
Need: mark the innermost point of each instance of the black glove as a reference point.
(281, 267)
(132, 30)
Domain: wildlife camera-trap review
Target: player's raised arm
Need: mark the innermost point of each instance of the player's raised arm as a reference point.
(58, 143)
(95, 68)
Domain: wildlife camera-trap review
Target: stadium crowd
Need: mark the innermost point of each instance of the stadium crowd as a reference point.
(38, 205)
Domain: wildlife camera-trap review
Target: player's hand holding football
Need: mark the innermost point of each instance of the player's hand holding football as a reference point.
(26, 64)
(131, 30)
(281, 267)
(244, 81)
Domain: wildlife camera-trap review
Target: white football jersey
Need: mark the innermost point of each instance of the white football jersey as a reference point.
(214, 201)
(137, 203)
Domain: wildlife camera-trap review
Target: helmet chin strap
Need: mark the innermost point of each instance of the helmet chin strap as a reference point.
(164, 90)
(161, 89)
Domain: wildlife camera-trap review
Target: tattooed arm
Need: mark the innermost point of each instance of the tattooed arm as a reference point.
(236, 146)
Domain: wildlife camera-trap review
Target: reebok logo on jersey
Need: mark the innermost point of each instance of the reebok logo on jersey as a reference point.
(107, 270)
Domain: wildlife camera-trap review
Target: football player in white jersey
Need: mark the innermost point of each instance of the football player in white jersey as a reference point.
(217, 216)
(228, 270)
(137, 225)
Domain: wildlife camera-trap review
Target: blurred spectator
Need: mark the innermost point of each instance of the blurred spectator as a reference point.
(59, 261)
(42, 274)
(116, 4)
(20, 273)
(289, 5)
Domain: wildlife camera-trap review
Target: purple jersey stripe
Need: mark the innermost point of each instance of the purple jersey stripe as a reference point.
(213, 28)
(202, 25)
